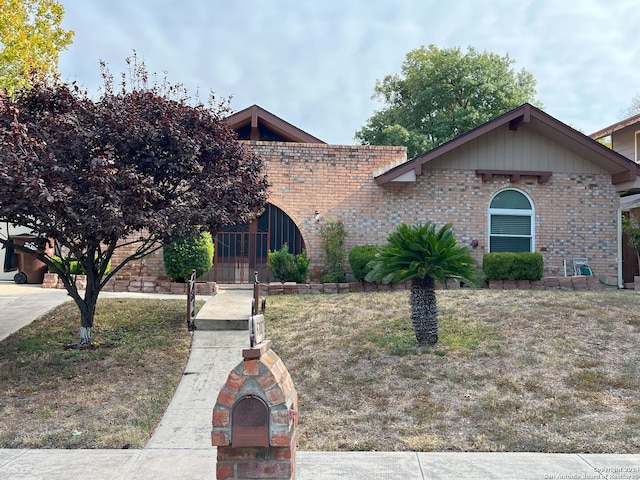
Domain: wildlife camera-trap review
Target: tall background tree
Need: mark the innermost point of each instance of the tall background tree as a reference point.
(133, 168)
(442, 93)
(423, 255)
(31, 38)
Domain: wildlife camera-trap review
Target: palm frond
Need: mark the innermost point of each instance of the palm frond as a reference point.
(420, 251)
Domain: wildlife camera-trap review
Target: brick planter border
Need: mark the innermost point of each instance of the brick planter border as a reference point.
(137, 284)
(163, 285)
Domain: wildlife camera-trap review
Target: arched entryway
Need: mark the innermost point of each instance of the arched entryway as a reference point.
(241, 250)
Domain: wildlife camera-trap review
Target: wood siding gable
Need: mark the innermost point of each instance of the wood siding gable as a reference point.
(525, 138)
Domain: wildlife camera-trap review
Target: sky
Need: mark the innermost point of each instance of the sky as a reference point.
(315, 63)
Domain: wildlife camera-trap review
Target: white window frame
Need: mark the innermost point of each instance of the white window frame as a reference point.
(512, 212)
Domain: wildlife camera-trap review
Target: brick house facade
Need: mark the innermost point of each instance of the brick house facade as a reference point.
(573, 183)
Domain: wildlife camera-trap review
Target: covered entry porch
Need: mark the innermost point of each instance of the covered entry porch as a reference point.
(242, 250)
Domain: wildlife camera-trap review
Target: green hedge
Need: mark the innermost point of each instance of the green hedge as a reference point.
(359, 258)
(183, 255)
(287, 267)
(514, 266)
(75, 267)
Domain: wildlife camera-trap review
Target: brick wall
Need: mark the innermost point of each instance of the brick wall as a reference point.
(575, 214)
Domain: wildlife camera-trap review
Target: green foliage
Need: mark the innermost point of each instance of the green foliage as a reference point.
(333, 235)
(287, 267)
(183, 255)
(512, 265)
(419, 251)
(31, 37)
(631, 228)
(444, 93)
(75, 267)
(359, 258)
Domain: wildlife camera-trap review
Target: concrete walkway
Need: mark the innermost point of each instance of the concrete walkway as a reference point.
(180, 447)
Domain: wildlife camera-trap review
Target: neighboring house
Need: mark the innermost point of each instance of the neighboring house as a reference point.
(625, 139)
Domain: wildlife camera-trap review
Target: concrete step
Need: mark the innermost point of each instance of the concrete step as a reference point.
(219, 324)
(229, 309)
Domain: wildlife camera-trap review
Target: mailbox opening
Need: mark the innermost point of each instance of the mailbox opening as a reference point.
(250, 423)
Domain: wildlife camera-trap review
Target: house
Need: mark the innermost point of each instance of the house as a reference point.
(521, 182)
(625, 139)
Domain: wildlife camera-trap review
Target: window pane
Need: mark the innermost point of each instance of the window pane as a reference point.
(510, 225)
(511, 199)
(510, 244)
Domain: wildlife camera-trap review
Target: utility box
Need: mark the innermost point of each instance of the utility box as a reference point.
(255, 419)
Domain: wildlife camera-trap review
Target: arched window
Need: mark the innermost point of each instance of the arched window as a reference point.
(511, 222)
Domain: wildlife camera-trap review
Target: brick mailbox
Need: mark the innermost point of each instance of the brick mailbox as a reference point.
(255, 418)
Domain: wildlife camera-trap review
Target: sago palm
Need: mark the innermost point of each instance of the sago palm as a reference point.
(425, 256)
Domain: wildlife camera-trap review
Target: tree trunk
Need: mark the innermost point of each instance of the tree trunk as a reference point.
(424, 312)
(88, 311)
(85, 337)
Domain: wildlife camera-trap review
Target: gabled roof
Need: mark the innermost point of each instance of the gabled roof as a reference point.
(622, 169)
(257, 119)
(605, 132)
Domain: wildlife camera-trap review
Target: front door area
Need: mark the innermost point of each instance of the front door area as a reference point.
(241, 250)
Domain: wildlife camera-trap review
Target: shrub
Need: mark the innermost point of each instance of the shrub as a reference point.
(75, 267)
(359, 257)
(511, 265)
(333, 235)
(185, 254)
(287, 267)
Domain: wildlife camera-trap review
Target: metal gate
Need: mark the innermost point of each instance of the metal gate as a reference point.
(239, 255)
(242, 250)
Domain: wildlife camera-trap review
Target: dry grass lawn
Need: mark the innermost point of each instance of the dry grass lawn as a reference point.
(538, 371)
(111, 397)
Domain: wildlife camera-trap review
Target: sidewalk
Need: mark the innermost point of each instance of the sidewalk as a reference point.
(181, 448)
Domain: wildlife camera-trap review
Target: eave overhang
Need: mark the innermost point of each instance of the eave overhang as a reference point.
(621, 168)
(605, 132)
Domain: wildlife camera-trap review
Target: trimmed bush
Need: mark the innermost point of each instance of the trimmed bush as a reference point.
(287, 267)
(513, 266)
(75, 267)
(183, 255)
(359, 258)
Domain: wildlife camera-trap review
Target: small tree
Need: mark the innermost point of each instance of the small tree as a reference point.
(425, 256)
(287, 267)
(333, 235)
(185, 254)
(124, 171)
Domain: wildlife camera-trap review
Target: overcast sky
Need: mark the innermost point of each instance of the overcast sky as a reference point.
(314, 63)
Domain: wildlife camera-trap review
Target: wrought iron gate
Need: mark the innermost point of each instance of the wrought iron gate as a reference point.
(242, 250)
(239, 255)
